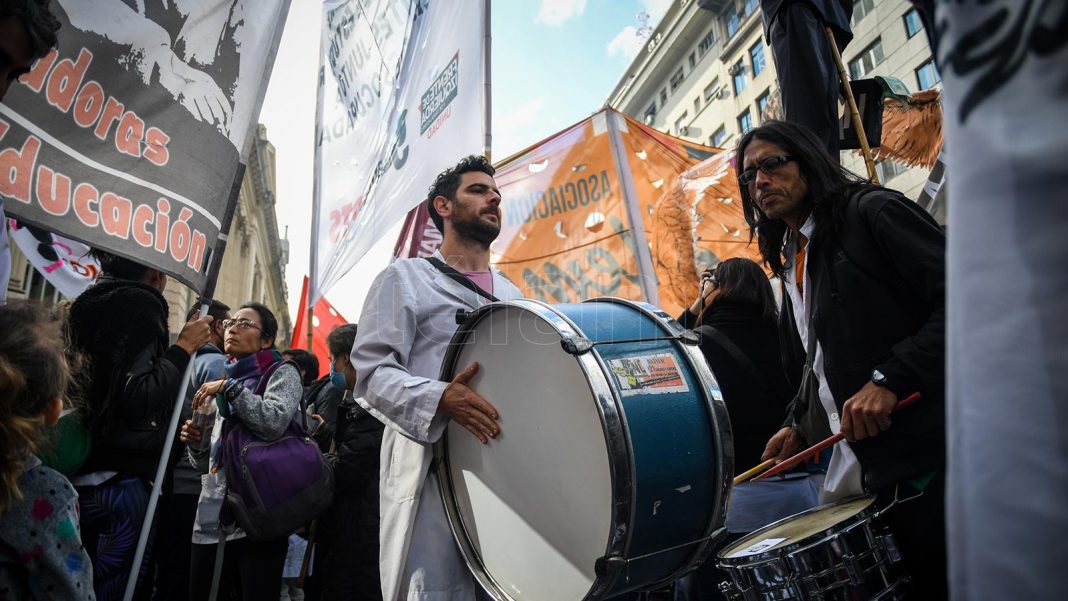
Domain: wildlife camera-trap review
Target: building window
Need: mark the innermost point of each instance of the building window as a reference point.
(663, 96)
(738, 73)
(913, 24)
(696, 105)
(756, 53)
(650, 113)
(710, 89)
(888, 170)
(745, 122)
(680, 124)
(719, 137)
(861, 9)
(927, 75)
(706, 42)
(676, 79)
(733, 23)
(866, 60)
(750, 6)
(762, 103)
(692, 60)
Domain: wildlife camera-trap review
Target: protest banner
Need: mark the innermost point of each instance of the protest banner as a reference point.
(63, 262)
(401, 98)
(128, 136)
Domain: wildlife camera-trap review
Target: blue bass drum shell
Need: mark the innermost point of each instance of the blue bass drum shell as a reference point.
(667, 431)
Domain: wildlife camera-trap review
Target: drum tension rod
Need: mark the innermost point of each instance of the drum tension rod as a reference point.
(577, 345)
(611, 563)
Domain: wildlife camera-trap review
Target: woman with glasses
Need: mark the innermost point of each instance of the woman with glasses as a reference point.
(736, 316)
(252, 569)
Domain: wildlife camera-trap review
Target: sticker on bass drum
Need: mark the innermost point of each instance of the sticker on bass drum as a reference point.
(648, 374)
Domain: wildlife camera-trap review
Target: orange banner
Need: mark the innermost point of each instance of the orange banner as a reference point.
(566, 236)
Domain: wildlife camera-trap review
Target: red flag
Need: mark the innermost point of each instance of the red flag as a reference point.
(324, 319)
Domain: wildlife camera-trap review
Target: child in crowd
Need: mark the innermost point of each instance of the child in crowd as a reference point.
(41, 553)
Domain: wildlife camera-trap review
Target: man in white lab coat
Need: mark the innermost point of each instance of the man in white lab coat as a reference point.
(407, 321)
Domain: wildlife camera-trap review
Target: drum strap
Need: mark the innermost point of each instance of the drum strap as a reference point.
(460, 278)
(736, 352)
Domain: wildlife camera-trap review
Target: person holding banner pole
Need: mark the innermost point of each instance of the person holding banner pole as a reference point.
(27, 32)
(120, 325)
(408, 319)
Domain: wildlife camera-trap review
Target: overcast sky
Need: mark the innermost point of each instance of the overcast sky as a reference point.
(554, 62)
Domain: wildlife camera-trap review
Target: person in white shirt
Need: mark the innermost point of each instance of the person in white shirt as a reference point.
(407, 322)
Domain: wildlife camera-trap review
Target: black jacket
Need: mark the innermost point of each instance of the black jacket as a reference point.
(879, 286)
(323, 400)
(836, 14)
(131, 378)
(756, 402)
(349, 558)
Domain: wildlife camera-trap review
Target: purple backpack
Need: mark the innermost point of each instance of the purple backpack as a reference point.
(273, 487)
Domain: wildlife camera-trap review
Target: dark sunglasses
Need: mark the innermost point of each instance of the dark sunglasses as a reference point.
(768, 165)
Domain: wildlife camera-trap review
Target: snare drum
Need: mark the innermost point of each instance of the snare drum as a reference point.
(614, 459)
(839, 551)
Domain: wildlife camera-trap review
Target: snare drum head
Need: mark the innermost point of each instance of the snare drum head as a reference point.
(535, 504)
(796, 528)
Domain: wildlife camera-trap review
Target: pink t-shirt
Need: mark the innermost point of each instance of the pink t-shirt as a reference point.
(483, 279)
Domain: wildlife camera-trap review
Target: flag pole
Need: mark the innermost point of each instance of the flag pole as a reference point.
(176, 411)
(851, 106)
(317, 161)
(487, 97)
(646, 271)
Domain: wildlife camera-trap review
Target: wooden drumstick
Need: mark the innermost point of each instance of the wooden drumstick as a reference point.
(825, 443)
(749, 473)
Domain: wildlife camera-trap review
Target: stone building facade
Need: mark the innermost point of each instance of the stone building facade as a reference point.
(253, 266)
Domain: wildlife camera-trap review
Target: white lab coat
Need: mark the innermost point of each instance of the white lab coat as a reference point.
(408, 319)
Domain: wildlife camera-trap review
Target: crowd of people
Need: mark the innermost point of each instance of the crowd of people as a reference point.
(848, 257)
(852, 322)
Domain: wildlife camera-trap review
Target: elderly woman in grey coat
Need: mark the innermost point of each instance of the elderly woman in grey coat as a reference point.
(254, 568)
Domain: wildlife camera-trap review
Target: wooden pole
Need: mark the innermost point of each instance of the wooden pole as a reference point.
(487, 80)
(851, 104)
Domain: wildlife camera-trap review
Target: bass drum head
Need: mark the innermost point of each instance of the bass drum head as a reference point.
(796, 528)
(535, 504)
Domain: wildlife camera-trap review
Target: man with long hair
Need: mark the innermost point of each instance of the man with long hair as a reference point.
(863, 270)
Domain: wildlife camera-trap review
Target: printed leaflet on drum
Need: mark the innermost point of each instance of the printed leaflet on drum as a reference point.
(648, 374)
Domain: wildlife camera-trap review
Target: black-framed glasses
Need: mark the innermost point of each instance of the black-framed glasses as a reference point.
(768, 165)
(240, 324)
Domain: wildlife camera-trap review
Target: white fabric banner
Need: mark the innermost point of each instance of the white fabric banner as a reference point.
(63, 262)
(400, 99)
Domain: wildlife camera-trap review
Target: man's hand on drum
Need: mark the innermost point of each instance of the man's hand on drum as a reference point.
(466, 408)
(867, 412)
(782, 445)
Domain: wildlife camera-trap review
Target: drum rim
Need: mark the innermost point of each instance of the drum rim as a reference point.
(613, 423)
(720, 423)
(864, 515)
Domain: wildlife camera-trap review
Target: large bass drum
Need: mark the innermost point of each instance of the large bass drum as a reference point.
(614, 459)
